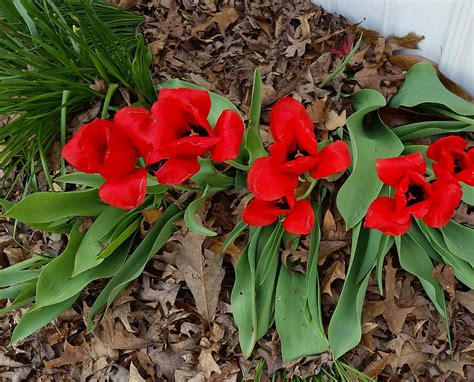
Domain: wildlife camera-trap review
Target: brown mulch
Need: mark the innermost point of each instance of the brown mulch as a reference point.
(157, 330)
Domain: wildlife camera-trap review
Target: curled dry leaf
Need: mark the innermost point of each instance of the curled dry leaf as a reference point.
(336, 271)
(444, 274)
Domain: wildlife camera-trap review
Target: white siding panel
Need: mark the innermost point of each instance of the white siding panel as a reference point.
(448, 27)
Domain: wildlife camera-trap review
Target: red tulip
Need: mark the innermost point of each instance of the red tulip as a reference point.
(295, 152)
(452, 160)
(414, 196)
(182, 133)
(299, 215)
(101, 147)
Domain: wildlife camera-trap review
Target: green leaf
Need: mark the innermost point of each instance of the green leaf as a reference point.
(414, 259)
(47, 207)
(370, 141)
(82, 179)
(118, 240)
(243, 295)
(94, 241)
(135, 263)
(253, 140)
(460, 240)
(298, 337)
(266, 273)
(468, 194)
(429, 128)
(11, 277)
(14, 290)
(218, 102)
(26, 296)
(345, 327)
(36, 319)
(192, 220)
(422, 86)
(208, 175)
(56, 283)
(233, 235)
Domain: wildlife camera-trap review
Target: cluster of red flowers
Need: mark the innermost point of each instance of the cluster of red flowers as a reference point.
(170, 138)
(274, 179)
(414, 195)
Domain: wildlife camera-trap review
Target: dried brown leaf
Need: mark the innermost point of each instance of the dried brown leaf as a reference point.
(336, 271)
(222, 19)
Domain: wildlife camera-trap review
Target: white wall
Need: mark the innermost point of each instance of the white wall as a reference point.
(448, 27)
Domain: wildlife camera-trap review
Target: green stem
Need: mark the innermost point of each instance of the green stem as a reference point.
(450, 114)
(238, 165)
(310, 189)
(44, 163)
(110, 92)
(65, 98)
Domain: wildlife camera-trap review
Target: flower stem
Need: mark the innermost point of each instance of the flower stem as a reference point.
(238, 165)
(110, 92)
(65, 98)
(312, 184)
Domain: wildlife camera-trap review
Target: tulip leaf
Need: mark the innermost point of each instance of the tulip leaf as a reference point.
(192, 220)
(48, 207)
(345, 327)
(11, 277)
(119, 238)
(370, 140)
(468, 194)
(56, 282)
(35, 319)
(266, 273)
(82, 179)
(429, 128)
(243, 298)
(93, 242)
(26, 296)
(253, 139)
(422, 86)
(218, 102)
(14, 290)
(155, 239)
(208, 175)
(460, 240)
(462, 269)
(414, 259)
(233, 235)
(298, 337)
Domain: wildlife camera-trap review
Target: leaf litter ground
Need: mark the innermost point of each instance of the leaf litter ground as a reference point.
(175, 322)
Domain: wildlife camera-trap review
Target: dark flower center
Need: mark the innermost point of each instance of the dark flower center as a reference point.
(282, 204)
(414, 194)
(195, 131)
(297, 153)
(458, 167)
(154, 167)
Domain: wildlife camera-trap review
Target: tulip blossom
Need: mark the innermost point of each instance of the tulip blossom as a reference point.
(295, 152)
(299, 215)
(181, 133)
(100, 147)
(451, 159)
(434, 203)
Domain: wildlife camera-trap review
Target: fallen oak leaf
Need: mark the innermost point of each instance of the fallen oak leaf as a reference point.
(207, 364)
(444, 274)
(71, 355)
(334, 120)
(222, 19)
(336, 271)
(203, 272)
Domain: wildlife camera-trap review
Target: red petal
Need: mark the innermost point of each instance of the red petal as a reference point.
(126, 193)
(268, 182)
(199, 99)
(332, 159)
(383, 215)
(85, 150)
(120, 156)
(392, 170)
(300, 220)
(448, 143)
(191, 146)
(306, 139)
(260, 213)
(446, 197)
(177, 170)
(284, 118)
(230, 130)
(467, 175)
(300, 165)
(135, 123)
